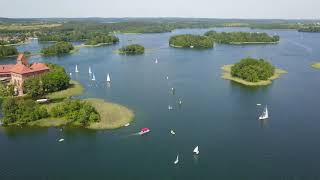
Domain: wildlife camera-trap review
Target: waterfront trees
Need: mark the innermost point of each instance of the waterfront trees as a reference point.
(57, 49)
(132, 49)
(241, 37)
(8, 51)
(190, 41)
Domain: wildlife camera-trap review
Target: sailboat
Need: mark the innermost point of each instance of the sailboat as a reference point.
(90, 72)
(60, 140)
(108, 78)
(196, 150)
(93, 77)
(177, 160)
(172, 132)
(156, 61)
(264, 114)
(77, 70)
(180, 102)
(170, 107)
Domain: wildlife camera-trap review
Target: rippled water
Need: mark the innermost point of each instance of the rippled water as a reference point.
(219, 116)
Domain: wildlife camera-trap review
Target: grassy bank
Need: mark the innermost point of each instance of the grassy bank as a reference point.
(227, 75)
(316, 65)
(75, 89)
(112, 115)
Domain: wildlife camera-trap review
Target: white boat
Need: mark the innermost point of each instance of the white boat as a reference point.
(70, 74)
(265, 114)
(167, 77)
(196, 150)
(156, 61)
(42, 100)
(172, 132)
(108, 78)
(90, 72)
(77, 70)
(126, 125)
(144, 131)
(177, 160)
(180, 102)
(191, 46)
(93, 77)
(170, 107)
(60, 140)
(258, 104)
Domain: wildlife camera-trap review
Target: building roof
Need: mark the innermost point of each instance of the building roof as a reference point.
(5, 68)
(22, 58)
(20, 69)
(39, 67)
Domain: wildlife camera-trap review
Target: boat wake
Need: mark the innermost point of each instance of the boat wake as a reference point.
(308, 49)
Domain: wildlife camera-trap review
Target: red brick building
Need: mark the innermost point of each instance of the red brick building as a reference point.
(17, 73)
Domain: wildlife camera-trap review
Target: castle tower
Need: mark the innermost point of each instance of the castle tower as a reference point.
(21, 59)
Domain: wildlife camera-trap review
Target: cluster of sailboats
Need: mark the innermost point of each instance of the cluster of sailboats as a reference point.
(92, 74)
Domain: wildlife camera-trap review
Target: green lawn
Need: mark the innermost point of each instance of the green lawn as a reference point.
(227, 75)
(112, 115)
(75, 89)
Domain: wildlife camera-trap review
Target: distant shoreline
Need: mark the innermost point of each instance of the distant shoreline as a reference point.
(241, 43)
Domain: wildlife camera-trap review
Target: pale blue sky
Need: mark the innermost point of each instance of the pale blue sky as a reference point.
(283, 9)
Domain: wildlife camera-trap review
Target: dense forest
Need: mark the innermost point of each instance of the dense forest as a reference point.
(55, 80)
(310, 29)
(132, 49)
(190, 41)
(21, 111)
(252, 70)
(76, 111)
(57, 49)
(102, 39)
(8, 51)
(241, 37)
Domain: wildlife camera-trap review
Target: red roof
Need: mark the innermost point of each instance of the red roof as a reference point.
(6, 68)
(21, 57)
(20, 69)
(39, 67)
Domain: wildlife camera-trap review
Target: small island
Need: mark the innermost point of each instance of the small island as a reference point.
(58, 48)
(132, 49)
(100, 40)
(242, 38)
(7, 51)
(316, 65)
(252, 72)
(190, 41)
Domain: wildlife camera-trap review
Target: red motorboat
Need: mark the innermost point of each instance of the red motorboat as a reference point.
(144, 131)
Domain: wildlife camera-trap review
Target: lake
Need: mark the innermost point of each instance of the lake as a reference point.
(219, 116)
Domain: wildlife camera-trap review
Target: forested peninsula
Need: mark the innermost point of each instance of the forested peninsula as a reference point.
(190, 41)
(241, 37)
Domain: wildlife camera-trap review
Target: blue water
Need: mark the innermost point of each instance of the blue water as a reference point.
(218, 115)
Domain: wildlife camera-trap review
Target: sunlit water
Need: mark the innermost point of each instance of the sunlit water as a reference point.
(218, 115)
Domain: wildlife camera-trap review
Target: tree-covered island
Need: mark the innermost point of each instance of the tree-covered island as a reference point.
(132, 49)
(190, 41)
(252, 72)
(58, 48)
(241, 37)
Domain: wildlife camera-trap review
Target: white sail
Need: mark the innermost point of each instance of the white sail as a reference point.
(265, 114)
(172, 132)
(93, 77)
(156, 61)
(196, 150)
(90, 70)
(77, 70)
(177, 160)
(108, 78)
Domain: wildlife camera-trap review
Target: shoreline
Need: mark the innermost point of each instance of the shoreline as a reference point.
(248, 43)
(226, 74)
(112, 115)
